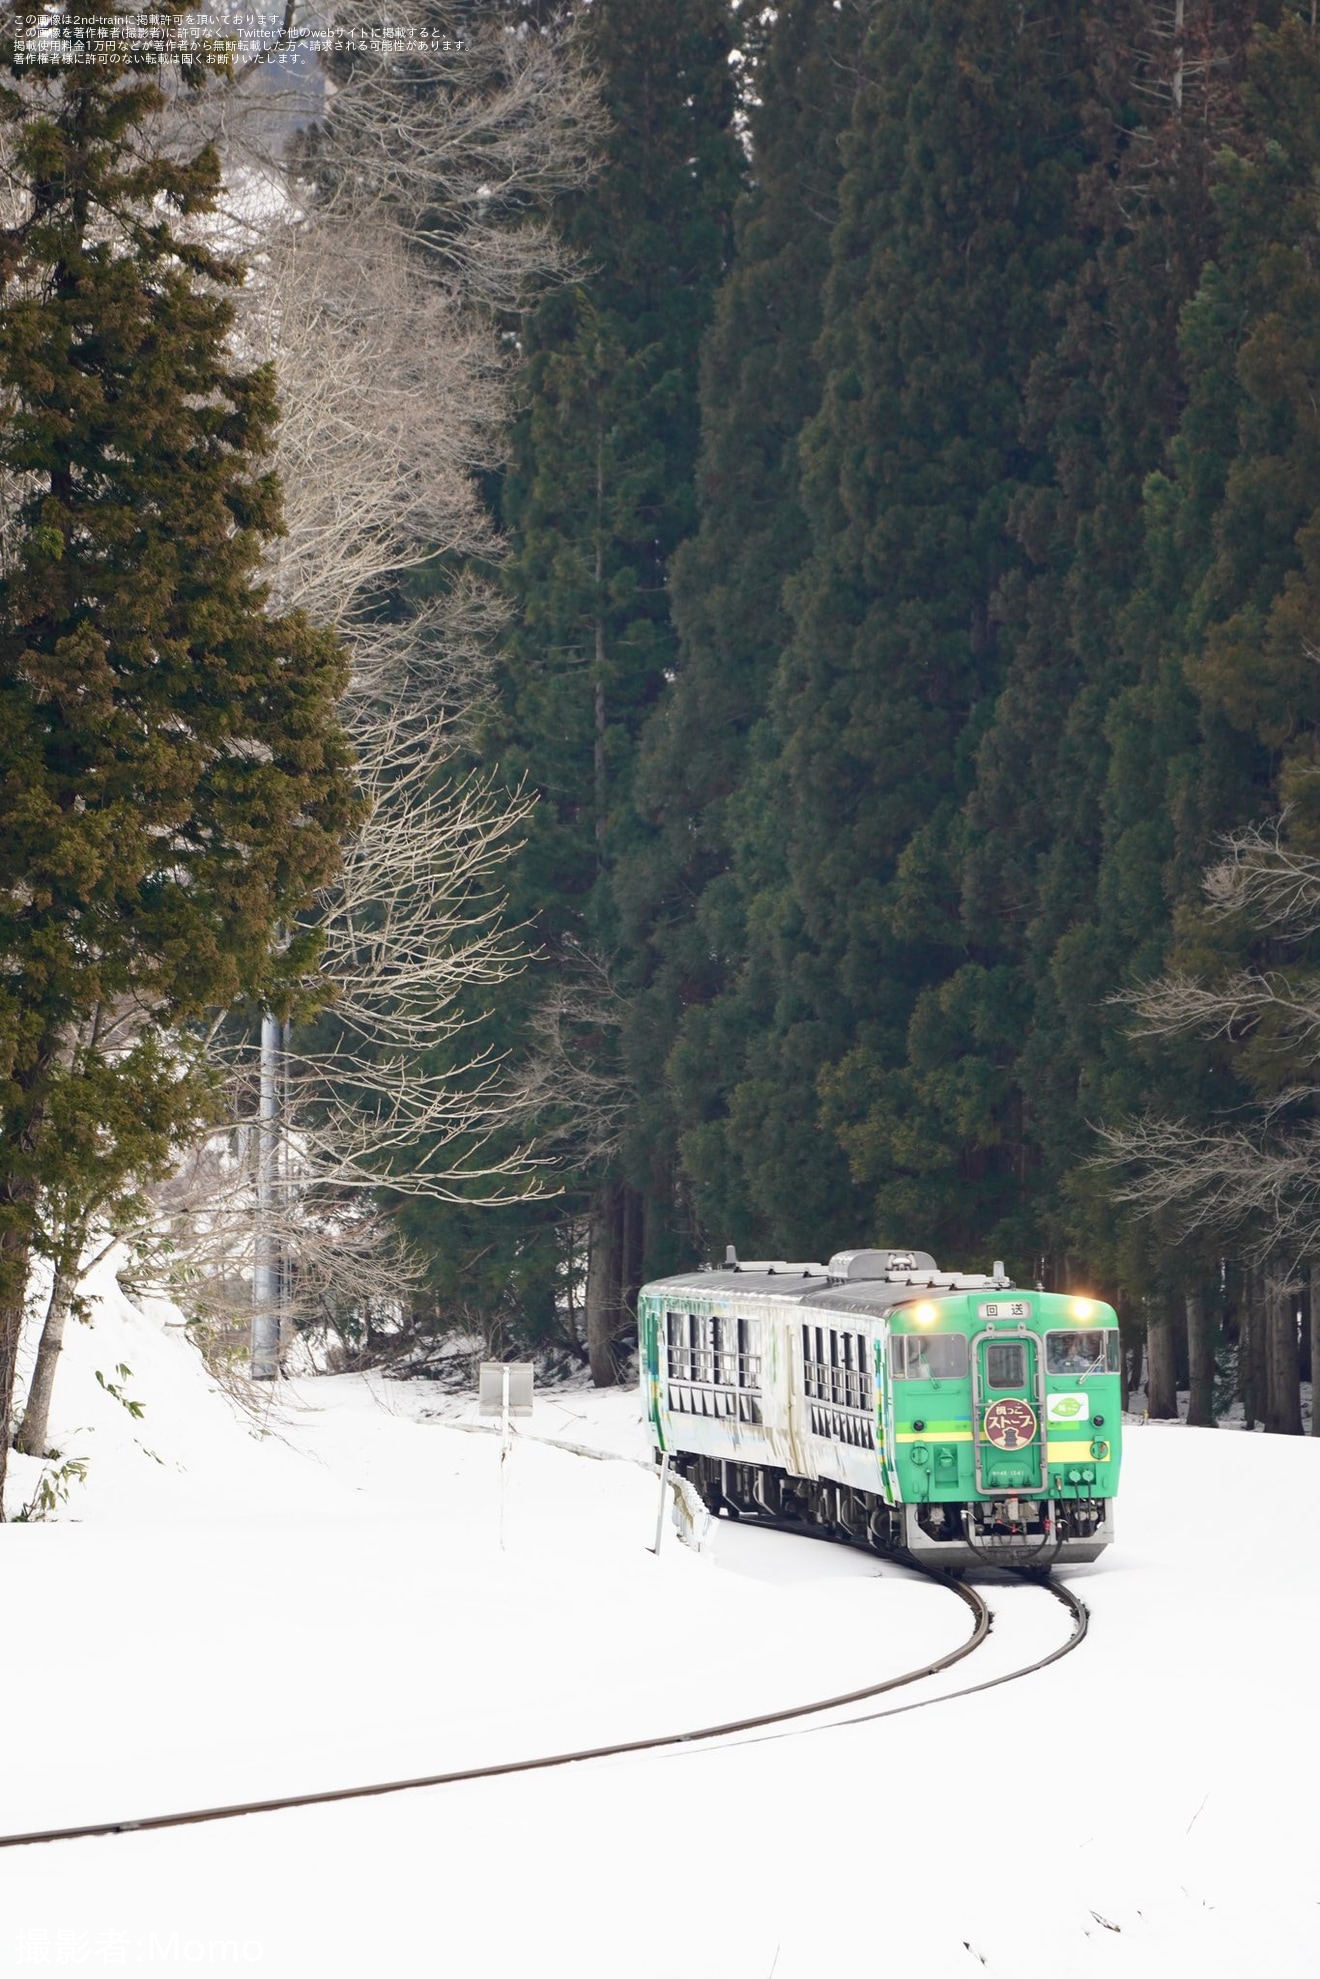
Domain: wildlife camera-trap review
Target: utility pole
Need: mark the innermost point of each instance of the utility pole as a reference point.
(266, 1274)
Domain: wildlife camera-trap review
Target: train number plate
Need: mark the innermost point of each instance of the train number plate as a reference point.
(1006, 1309)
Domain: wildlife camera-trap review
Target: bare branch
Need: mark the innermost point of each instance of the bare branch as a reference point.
(1180, 1005)
(1246, 1182)
(570, 1093)
(1267, 879)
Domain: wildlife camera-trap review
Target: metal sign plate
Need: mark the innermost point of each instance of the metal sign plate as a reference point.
(1010, 1423)
(490, 1387)
(1005, 1309)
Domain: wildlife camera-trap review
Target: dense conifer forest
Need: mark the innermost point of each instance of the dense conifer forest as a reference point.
(742, 664)
(914, 522)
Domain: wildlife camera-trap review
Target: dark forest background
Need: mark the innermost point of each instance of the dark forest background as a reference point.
(914, 524)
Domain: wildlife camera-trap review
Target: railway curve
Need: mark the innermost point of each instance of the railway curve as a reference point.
(793, 1719)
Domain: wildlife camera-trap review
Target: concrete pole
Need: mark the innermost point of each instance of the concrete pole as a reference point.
(266, 1269)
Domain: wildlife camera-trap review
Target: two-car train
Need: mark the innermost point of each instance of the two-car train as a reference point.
(951, 1417)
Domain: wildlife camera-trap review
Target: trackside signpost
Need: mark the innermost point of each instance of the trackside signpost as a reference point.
(504, 1389)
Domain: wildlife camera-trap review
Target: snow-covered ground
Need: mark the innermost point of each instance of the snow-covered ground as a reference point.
(225, 1610)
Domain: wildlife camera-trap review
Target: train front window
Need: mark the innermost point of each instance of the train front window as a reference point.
(1087, 1352)
(1006, 1364)
(928, 1356)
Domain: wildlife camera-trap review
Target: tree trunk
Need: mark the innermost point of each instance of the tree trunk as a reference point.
(265, 1323)
(1283, 1403)
(1161, 1365)
(1249, 1383)
(15, 1263)
(34, 1434)
(603, 1263)
(1200, 1364)
(630, 1275)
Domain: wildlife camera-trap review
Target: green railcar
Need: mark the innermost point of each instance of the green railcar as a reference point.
(951, 1416)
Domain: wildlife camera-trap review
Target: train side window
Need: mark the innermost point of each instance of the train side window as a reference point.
(815, 1367)
(749, 1354)
(859, 1379)
(676, 1332)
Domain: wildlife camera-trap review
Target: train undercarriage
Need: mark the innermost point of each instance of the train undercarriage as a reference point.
(1018, 1533)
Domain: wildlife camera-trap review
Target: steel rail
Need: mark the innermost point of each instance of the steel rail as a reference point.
(1080, 1619)
(193, 1817)
(1077, 1609)
(983, 1619)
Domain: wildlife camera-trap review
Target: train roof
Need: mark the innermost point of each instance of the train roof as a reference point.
(864, 1281)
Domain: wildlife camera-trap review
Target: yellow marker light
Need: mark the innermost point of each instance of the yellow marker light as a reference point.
(925, 1314)
(1082, 1308)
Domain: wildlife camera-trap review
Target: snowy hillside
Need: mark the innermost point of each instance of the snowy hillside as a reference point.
(221, 1614)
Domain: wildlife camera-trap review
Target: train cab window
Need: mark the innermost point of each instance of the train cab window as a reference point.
(1086, 1352)
(1006, 1364)
(928, 1356)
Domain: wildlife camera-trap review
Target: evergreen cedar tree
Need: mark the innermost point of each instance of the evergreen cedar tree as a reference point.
(992, 614)
(706, 790)
(172, 779)
(597, 495)
(958, 169)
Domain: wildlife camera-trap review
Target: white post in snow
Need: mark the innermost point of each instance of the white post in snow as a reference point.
(266, 1267)
(504, 1388)
(660, 1508)
(504, 1446)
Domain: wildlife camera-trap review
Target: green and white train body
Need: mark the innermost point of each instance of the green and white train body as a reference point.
(953, 1416)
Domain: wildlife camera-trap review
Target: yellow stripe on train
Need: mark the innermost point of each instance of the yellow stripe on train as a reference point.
(933, 1436)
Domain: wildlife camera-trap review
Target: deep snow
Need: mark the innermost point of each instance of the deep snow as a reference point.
(242, 1613)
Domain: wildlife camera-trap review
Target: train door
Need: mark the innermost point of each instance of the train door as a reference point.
(1008, 1411)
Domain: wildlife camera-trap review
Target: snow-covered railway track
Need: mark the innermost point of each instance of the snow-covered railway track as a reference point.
(820, 1714)
(824, 1715)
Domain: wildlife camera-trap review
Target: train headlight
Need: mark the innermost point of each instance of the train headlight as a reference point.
(1083, 1308)
(926, 1313)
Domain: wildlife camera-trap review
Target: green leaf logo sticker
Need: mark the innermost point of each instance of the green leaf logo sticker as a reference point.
(1067, 1408)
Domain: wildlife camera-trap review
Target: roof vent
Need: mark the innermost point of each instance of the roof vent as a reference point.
(846, 1267)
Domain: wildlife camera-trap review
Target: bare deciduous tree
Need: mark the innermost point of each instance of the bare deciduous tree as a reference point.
(374, 277)
(1253, 1178)
(1258, 1172)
